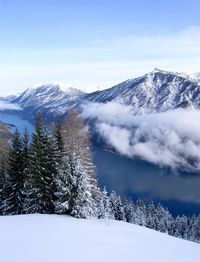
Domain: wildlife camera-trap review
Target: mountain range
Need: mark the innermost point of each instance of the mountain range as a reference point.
(157, 91)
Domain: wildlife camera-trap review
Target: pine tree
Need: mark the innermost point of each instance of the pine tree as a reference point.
(58, 136)
(62, 193)
(140, 213)
(15, 179)
(80, 169)
(181, 227)
(117, 207)
(195, 227)
(163, 218)
(103, 205)
(151, 218)
(129, 210)
(39, 196)
(60, 182)
(25, 149)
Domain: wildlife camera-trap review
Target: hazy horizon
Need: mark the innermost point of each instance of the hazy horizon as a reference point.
(96, 44)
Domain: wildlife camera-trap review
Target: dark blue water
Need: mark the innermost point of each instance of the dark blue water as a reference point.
(16, 121)
(179, 191)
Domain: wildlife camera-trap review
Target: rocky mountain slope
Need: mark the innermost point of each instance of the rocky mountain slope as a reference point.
(49, 99)
(157, 91)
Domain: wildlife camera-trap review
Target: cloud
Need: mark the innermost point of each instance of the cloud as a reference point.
(101, 63)
(8, 106)
(168, 139)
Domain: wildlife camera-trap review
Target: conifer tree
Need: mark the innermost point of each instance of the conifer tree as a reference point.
(15, 179)
(163, 219)
(80, 169)
(59, 173)
(62, 193)
(60, 181)
(104, 210)
(140, 213)
(25, 149)
(129, 210)
(117, 207)
(39, 196)
(58, 136)
(151, 220)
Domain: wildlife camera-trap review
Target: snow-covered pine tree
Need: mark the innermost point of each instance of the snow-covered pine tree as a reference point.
(62, 193)
(39, 196)
(104, 210)
(13, 198)
(181, 228)
(58, 136)
(81, 171)
(151, 217)
(129, 209)
(178, 232)
(61, 168)
(195, 228)
(25, 148)
(163, 218)
(140, 213)
(116, 206)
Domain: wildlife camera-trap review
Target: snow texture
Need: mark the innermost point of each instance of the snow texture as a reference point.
(50, 238)
(157, 91)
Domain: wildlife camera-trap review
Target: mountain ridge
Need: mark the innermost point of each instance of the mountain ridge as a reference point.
(156, 91)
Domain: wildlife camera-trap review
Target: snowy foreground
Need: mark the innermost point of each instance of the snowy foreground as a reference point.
(51, 238)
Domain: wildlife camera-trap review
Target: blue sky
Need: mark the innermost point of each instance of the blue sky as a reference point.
(90, 44)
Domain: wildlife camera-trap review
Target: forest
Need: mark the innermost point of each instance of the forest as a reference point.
(52, 172)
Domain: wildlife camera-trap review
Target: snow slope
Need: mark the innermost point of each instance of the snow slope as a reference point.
(51, 238)
(156, 91)
(49, 99)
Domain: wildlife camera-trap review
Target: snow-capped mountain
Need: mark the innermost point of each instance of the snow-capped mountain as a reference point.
(157, 91)
(49, 99)
(196, 76)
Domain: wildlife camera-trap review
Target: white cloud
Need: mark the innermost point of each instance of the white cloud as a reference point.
(103, 63)
(171, 138)
(8, 106)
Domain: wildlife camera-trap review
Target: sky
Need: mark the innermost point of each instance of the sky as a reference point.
(94, 44)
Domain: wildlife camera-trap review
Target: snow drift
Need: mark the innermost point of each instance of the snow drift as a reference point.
(50, 238)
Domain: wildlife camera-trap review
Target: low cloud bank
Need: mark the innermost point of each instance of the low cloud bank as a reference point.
(8, 106)
(168, 139)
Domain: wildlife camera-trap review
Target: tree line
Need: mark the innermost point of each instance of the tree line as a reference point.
(53, 173)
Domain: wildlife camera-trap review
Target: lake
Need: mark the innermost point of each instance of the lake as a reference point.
(18, 122)
(135, 178)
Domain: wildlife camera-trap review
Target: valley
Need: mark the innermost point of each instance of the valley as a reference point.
(100, 131)
(136, 178)
(150, 160)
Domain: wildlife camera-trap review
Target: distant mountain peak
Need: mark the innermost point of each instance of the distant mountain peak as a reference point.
(55, 87)
(156, 91)
(49, 99)
(157, 70)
